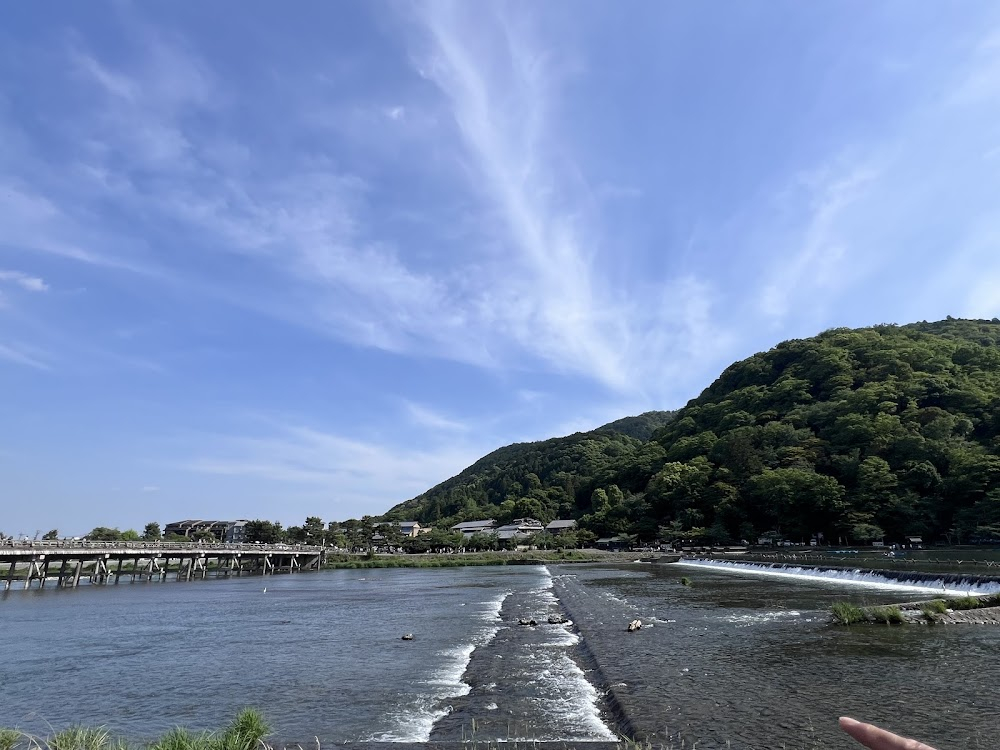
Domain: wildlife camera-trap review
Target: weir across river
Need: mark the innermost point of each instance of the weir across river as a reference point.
(65, 564)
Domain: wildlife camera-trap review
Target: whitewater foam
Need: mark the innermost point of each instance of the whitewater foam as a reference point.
(746, 620)
(415, 721)
(567, 700)
(921, 583)
(566, 696)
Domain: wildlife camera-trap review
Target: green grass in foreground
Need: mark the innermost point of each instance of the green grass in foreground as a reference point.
(245, 732)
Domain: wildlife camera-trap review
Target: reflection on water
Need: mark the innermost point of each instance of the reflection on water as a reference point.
(746, 662)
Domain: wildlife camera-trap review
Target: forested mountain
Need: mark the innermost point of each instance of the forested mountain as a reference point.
(545, 480)
(642, 426)
(855, 434)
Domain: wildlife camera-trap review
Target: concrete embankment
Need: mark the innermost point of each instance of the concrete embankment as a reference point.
(984, 616)
(947, 583)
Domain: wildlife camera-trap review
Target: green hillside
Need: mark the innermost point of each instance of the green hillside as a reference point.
(853, 433)
(856, 434)
(544, 480)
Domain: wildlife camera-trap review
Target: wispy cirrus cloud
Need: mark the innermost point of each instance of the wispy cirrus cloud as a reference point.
(425, 417)
(24, 355)
(23, 280)
(366, 476)
(896, 220)
(515, 276)
(820, 254)
(554, 288)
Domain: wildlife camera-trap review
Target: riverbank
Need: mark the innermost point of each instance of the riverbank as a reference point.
(470, 559)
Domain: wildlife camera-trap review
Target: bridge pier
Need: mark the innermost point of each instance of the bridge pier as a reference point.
(66, 562)
(101, 572)
(33, 571)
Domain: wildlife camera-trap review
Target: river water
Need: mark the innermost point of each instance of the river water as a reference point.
(736, 660)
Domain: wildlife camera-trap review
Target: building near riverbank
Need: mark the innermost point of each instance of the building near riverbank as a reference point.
(470, 528)
(233, 532)
(560, 526)
(519, 528)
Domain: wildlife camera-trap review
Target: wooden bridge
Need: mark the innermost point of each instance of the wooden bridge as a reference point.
(63, 563)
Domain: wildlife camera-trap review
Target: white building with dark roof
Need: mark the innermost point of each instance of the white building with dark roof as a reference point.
(469, 528)
(520, 528)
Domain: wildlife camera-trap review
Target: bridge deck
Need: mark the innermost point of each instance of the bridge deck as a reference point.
(65, 563)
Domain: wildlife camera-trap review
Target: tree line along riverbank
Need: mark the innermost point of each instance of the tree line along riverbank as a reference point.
(458, 560)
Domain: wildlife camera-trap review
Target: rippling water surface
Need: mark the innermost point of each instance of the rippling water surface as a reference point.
(321, 653)
(735, 660)
(745, 661)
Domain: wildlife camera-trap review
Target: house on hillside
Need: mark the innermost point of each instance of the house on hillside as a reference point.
(614, 543)
(519, 528)
(412, 529)
(470, 528)
(560, 527)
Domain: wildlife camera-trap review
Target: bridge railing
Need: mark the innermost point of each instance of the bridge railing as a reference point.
(61, 544)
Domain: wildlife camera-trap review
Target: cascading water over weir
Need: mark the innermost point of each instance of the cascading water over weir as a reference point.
(946, 584)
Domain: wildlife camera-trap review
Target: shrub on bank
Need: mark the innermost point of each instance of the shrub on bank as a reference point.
(932, 609)
(845, 613)
(973, 602)
(889, 615)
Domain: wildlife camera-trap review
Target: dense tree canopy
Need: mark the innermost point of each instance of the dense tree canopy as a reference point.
(861, 434)
(544, 480)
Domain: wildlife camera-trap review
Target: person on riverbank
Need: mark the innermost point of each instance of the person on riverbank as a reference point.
(874, 738)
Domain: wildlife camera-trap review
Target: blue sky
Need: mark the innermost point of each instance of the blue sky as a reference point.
(271, 260)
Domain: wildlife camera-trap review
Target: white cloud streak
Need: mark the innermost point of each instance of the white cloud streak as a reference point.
(365, 476)
(819, 257)
(425, 417)
(23, 280)
(553, 290)
(20, 355)
(295, 234)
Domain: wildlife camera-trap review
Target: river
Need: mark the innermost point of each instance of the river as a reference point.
(736, 660)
